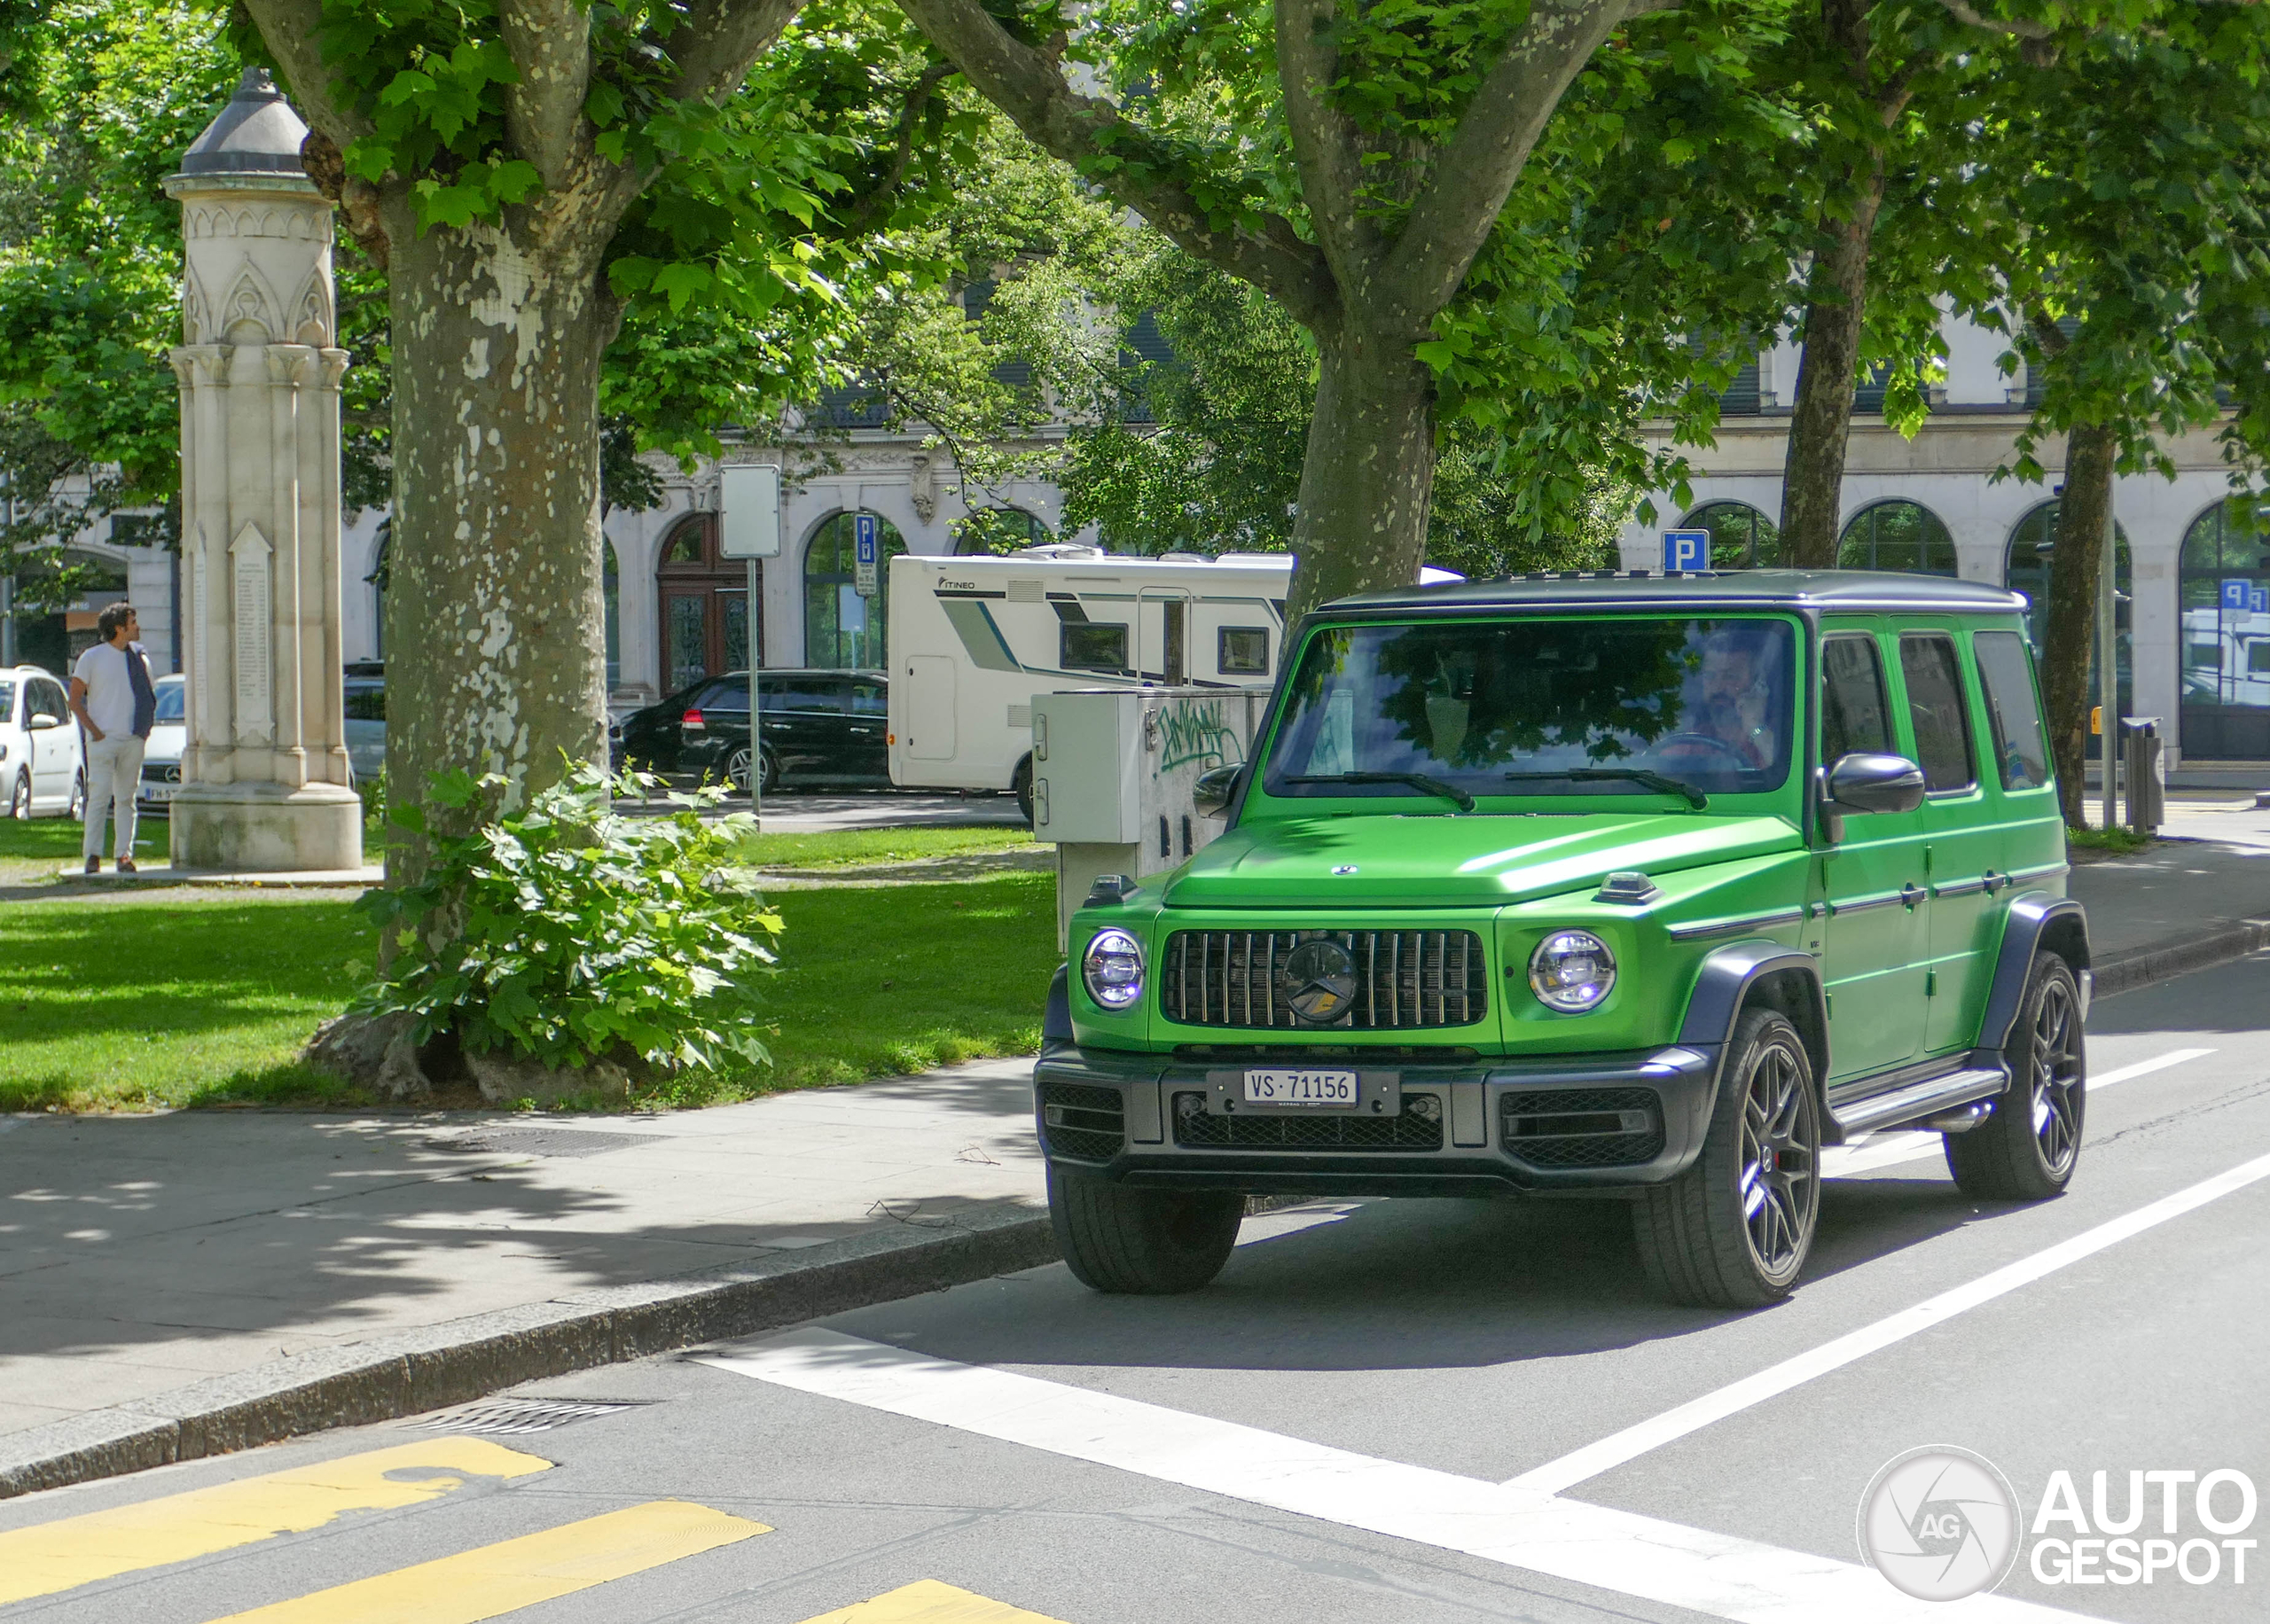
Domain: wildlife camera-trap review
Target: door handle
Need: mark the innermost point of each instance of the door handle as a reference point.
(1993, 882)
(1912, 893)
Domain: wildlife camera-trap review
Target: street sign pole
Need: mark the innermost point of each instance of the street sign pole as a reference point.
(2108, 674)
(748, 527)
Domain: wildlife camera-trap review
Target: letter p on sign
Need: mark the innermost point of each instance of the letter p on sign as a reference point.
(1685, 550)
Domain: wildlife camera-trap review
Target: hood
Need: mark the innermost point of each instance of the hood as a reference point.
(165, 742)
(1477, 858)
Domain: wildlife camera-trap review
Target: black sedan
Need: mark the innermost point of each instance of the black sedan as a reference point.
(820, 727)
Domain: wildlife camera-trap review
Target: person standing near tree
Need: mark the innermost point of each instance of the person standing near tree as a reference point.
(115, 701)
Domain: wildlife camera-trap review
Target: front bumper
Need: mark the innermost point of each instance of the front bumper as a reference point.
(1570, 1122)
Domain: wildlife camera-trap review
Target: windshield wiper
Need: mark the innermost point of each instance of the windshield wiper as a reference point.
(1633, 774)
(1417, 780)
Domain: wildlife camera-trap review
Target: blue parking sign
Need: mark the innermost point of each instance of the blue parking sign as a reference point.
(866, 532)
(1685, 550)
(2237, 595)
(2257, 600)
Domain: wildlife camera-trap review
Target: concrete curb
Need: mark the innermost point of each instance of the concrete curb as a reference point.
(435, 1366)
(2225, 941)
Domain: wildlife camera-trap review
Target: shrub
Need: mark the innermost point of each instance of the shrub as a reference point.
(566, 932)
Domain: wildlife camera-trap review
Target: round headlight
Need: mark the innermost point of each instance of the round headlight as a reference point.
(1113, 968)
(1571, 971)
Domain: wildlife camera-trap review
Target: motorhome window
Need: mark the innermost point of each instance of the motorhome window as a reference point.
(869, 699)
(1242, 650)
(1541, 707)
(2007, 675)
(1093, 646)
(2205, 657)
(2257, 657)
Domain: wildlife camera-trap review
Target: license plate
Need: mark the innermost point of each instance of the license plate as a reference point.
(1300, 1085)
(155, 791)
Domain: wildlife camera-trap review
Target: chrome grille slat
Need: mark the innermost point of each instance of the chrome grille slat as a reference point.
(1411, 979)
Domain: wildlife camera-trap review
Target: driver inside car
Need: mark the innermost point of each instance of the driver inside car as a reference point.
(1735, 705)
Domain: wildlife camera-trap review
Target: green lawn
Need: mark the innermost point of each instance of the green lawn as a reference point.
(36, 848)
(126, 1004)
(844, 848)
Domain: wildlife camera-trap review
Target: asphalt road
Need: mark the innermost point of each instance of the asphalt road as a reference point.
(1328, 1432)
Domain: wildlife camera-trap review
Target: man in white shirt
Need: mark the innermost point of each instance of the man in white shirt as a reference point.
(115, 701)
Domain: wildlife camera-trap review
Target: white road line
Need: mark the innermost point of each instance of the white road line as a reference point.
(1544, 1534)
(1843, 1161)
(1633, 1442)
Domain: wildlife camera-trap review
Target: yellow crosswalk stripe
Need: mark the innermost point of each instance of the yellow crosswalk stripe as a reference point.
(929, 1601)
(513, 1574)
(76, 1550)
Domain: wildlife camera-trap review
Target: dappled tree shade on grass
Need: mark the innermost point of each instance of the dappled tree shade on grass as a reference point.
(137, 1005)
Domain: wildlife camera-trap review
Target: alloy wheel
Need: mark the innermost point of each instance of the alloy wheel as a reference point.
(1780, 1178)
(737, 770)
(2054, 1084)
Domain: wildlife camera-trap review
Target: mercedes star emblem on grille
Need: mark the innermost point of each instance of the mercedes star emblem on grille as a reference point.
(1323, 974)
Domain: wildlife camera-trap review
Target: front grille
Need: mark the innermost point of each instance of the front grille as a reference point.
(1081, 1122)
(161, 772)
(1310, 1131)
(1404, 979)
(1580, 1128)
(1308, 1054)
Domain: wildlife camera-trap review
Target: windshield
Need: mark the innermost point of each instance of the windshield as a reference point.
(171, 698)
(1688, 708)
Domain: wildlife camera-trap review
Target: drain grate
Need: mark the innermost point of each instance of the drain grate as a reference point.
(517, 1416)
(555, 1142)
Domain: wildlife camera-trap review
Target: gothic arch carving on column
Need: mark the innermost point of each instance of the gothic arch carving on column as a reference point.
(250, 300)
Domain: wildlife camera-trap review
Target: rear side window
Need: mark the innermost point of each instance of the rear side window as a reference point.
(1854, 718)
(821, 694)
(1935, 704)
(869, 699)
(2006, 673)
(725, 694)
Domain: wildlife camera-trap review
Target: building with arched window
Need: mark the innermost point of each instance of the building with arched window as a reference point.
(1948, 502)
(844, 629)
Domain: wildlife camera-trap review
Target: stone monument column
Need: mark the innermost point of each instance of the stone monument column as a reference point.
(266, 784)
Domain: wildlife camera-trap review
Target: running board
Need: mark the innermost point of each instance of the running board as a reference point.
(1928, 1098)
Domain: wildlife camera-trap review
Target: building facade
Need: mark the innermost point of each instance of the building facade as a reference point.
(2194, 559)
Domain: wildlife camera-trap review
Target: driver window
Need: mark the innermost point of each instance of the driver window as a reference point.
(1854, 717)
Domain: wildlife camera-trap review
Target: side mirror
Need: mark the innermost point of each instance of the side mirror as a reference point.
(1875, 783)
(40, 719)
(1215, 788)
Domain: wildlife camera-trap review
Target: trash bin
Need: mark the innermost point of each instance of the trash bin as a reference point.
(2146, 771)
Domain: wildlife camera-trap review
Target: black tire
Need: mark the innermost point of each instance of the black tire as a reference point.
(1151, 1243)
(2028, 1146)
(1733, 1231)
(19, 798)
(1020, 786)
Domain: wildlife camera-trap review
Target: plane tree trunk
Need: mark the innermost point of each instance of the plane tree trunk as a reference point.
(2069, 633)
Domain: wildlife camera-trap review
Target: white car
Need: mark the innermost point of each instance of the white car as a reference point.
(43, 768)
(162, 756)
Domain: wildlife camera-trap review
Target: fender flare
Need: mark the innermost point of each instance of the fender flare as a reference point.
(2030, 918)
(1722, 985)
(1056, 1015)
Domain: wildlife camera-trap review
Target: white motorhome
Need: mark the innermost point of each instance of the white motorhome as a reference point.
(972, 639)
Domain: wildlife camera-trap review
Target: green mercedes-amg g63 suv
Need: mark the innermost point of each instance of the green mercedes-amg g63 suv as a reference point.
(1613, 886)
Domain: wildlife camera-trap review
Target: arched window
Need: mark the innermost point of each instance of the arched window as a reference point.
(2226, 667)
(1896, 535)
(704, 601)
(2025, 568)
(999, 530)
(843, 630)
(1741, 537)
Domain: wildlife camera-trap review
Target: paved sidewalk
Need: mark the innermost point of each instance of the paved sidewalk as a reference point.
(175, 1285)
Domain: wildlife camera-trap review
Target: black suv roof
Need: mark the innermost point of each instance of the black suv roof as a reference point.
(1755, 589)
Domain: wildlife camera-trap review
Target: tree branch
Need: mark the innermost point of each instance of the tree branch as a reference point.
(865, 208)
(551, 43)
(2017, 28)
(1030, 88)
(721, 40)
(291, 30)
(1475, 170)
(1326, 145)
(2046, 333)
